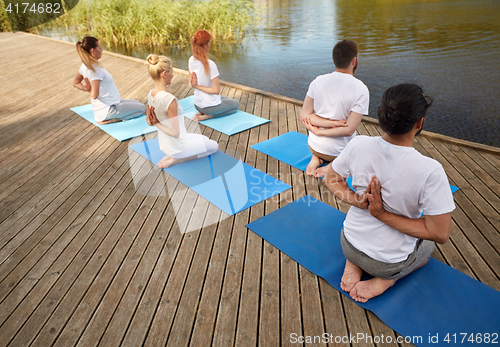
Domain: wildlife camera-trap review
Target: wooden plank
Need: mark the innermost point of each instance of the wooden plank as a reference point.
(269, 323)
(187, 310)
(94, 250)
(248, 315)
(227, 316)
(34, 252)
(490, 171)
(483, 183)
(15, 230)
(42, 173)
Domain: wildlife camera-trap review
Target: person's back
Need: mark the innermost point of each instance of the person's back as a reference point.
(161, 102)
(335, 96)
(407, 178)
(383, 233)
(333, 108)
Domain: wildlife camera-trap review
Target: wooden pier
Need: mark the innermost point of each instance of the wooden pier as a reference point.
(94, 250)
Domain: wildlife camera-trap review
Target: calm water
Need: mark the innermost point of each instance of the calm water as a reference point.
(450, 48)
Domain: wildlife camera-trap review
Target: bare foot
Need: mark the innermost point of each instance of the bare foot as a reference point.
(109, 121)
(365, 290)
(321, 171)
(166, 161)
(200, 116)
(313, 165)
(352, 275)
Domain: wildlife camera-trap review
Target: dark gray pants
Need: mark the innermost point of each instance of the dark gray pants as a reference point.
(226, 107)
(391, 271)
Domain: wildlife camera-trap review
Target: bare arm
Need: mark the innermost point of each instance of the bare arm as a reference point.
(94, 92)
(77, 83)
(214, 89)
(353, 121)
(339, 187)
(434, 228)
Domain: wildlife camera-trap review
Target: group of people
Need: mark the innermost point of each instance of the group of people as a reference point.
(163, 109)
(393, 184)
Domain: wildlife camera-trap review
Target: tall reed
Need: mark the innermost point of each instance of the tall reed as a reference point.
(157, 22)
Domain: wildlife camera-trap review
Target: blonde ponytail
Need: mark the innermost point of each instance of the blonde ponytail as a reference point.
(84, 48)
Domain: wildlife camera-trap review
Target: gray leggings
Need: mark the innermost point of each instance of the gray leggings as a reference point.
(391, 271)
(226, 106)
(126, 109)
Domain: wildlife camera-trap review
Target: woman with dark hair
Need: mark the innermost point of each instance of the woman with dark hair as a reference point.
(204, 78)
(383, 233)
(107, 105)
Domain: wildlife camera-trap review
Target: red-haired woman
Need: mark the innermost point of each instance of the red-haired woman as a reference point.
(107, 104)
(204, 78)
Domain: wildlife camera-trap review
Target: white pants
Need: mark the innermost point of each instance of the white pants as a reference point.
(126, 109)
(198, 145)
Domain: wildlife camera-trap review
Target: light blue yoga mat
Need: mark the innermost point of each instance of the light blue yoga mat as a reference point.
(226, 182)
(121, 130)
(292, 148)
(436, 303)
(230, 124)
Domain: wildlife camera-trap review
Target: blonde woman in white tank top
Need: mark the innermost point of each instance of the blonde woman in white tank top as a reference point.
(166, 114)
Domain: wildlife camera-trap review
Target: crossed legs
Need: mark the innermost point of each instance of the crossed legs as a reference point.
(384, 274)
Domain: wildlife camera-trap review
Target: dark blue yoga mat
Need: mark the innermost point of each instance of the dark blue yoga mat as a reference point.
(230, 124)
(226, 182)
(292, 148)
(121, 130)
(434, 302)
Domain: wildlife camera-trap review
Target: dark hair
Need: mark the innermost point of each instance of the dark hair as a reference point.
(401, 107)
(343, 53)
(83, 48)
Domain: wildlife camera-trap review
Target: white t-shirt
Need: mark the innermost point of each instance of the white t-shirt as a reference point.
(202, 99)
(168, 144)
(335, 96)
(108, 93)
(411, 184)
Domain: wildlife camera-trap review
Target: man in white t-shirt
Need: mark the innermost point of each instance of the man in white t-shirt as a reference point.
(394, 184)
(333, 108)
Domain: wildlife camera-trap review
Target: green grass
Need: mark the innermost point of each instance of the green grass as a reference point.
(157, 22)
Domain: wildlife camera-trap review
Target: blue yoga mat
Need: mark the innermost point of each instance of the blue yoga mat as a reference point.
(230, 124)
(121, 130)
(292, 148)
(226, 182)
(434, 302)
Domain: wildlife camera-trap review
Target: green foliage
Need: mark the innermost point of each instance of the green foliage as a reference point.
(157, 22)
(4, 19)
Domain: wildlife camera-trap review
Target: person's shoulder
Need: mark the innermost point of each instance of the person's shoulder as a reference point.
(423, 162)
(363, 141)
(359, 83)
(211, 63)
(325, 77)
(192, 61)
(166, 97)
(322, 79)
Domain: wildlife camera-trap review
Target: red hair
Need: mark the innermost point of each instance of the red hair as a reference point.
(199, 39)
